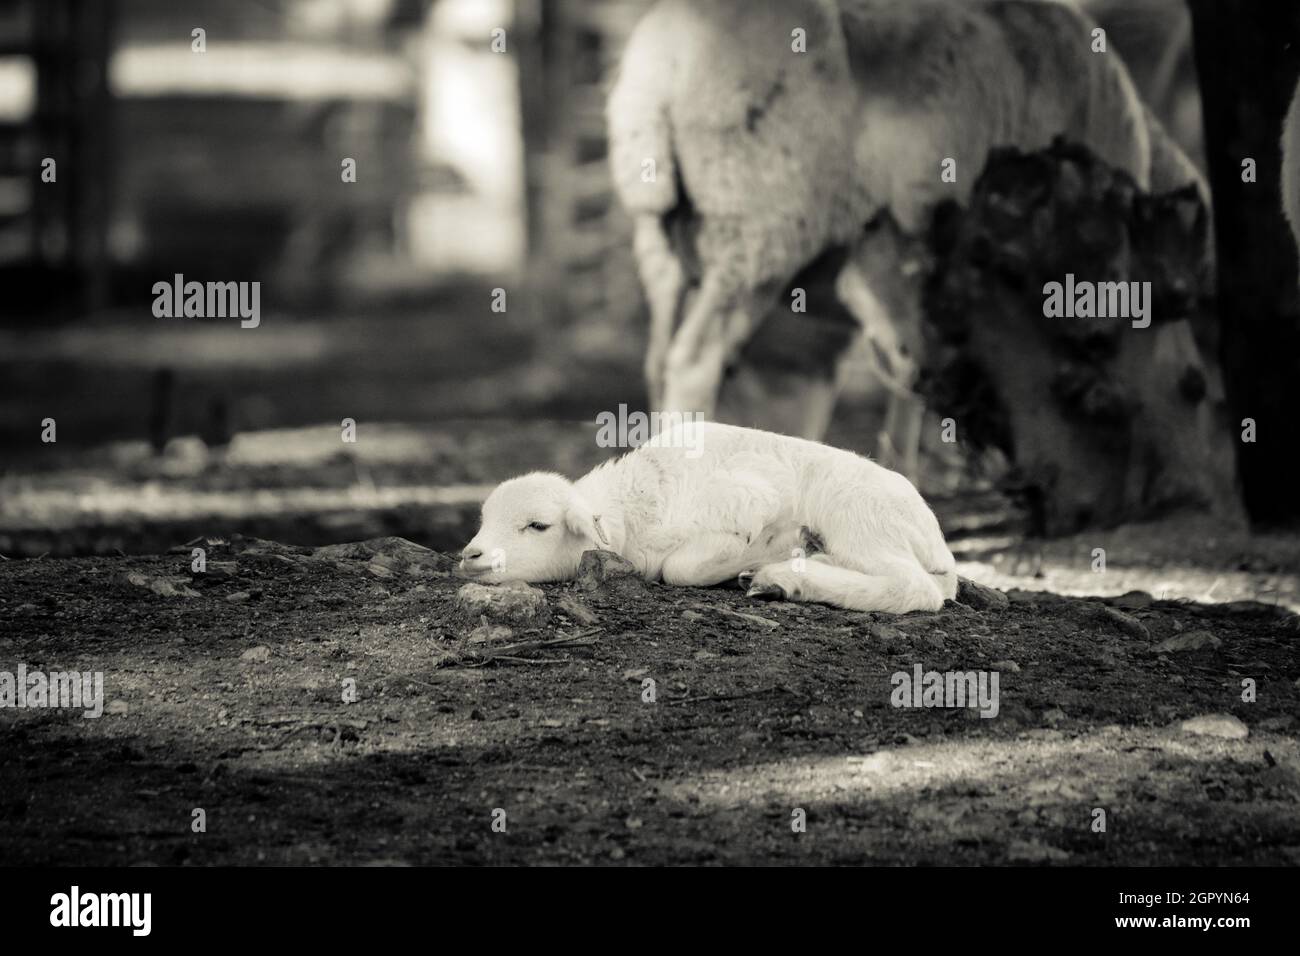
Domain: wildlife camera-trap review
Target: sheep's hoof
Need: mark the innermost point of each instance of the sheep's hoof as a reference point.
(745, 579)
(767, 592)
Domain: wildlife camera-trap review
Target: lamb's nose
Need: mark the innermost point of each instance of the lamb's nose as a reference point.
(471, 554)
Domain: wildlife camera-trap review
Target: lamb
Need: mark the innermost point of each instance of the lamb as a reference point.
(742, 158)
(703, 503)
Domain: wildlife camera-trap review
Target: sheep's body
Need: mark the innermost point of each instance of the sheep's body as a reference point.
(1291, 166)
(763, 157)
(705, 503)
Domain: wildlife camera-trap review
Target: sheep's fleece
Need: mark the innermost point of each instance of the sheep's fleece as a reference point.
(703, 503)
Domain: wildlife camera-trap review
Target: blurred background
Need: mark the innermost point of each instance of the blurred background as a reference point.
(480, 166)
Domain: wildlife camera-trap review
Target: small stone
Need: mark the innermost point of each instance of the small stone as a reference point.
(886, 632)
(257, 655)
(163, 587)
(1009, 666)
(692, 616)
(1133, 600)
(117, 707)
(1031, 851)
(487, 633)
(1224, 726)
(1124, 622)
(512, 603)
(576, 610)
(980, 597)
(1190, 641)
(238, 597)
(1053, 716)
(607, 571)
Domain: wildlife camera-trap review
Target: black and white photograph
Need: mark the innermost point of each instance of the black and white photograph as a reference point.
(646, 433)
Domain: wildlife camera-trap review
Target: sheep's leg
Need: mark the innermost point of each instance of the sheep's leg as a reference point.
(664, 282)
(896, 586)
(899, 442)
(719, 321)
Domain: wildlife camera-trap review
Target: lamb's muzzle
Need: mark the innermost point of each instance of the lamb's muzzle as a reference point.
(807, 521)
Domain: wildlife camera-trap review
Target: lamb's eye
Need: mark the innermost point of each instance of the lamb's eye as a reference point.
(537, 526)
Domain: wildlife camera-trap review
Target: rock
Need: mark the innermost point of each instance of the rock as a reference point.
(692, 616)
(164, 587)
(215, 571)
(1119, 620)
(487, 633)
(1133, 600)
(238, 597)
(605, 571)
(1191, 641)
(1034, 598)
(1053, 716)
(980, 597)
(257, 655)
(387, 557)
(576, 610)
(117, 708)
(1031, 851)
(1009, 666)
(512, 603)
(886, 632)
(1225, 726)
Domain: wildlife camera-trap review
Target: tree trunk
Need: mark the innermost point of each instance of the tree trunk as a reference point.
(1110, 414)
(1248, 57)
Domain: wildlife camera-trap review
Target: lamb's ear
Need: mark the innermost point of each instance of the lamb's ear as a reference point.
(580, 520)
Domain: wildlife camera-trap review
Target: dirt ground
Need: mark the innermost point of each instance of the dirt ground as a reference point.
(225, 691)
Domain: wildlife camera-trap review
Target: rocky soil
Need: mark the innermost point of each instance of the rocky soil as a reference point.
(360, 704)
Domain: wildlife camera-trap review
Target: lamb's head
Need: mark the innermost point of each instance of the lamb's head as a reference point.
(533, 528)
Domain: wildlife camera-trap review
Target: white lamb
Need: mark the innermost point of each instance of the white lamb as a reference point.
(706, 503)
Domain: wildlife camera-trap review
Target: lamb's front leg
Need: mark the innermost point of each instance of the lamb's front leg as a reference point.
(712, 558)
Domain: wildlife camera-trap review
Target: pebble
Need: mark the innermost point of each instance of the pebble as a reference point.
(1190, 641)
(511, 603)
(258, 655)
(980, 597)
(1224, 726)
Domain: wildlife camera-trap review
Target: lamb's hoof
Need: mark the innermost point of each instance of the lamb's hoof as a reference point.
(745, 579)
(767, 592)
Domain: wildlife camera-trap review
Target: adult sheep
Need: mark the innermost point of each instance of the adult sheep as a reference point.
(1291, 166)
(747, 137)
(703, 503)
